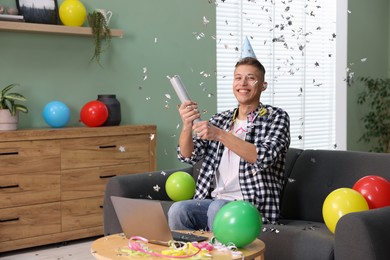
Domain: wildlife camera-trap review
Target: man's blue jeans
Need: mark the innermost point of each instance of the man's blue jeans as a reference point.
(194, 214)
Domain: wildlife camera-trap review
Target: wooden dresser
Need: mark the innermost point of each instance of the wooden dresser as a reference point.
(52, 181)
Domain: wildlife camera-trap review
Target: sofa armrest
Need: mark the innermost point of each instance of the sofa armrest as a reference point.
(149, 185)
(363, 235)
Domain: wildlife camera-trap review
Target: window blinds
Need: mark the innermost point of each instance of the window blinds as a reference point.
(296, 43)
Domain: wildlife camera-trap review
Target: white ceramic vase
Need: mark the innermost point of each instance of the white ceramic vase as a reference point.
(7, 121)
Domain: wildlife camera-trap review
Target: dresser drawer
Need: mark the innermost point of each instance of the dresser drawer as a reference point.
(30, 221)
(91, 182)
(31, 156)
(30, 188)
(82, 213)
(104, 151)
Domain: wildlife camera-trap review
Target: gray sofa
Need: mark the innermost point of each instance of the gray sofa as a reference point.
(310, 176)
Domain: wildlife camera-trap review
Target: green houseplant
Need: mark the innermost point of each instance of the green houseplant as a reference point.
(9, 108)
(101, 34)
(377, 120)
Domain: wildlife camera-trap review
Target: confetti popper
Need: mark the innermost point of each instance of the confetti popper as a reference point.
(180, 90)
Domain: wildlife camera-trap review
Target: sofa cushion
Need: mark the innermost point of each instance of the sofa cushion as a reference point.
(297, 240)
(317, 173)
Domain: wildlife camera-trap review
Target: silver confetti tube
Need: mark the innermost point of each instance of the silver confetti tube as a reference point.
(180, 90)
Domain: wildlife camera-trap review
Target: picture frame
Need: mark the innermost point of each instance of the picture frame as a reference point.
(39, 11)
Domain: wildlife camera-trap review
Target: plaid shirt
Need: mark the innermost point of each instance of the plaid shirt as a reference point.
(261, 182)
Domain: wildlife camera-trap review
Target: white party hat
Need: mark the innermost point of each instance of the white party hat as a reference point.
(247, 50)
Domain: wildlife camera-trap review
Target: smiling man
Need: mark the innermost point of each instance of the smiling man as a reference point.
(242, 151)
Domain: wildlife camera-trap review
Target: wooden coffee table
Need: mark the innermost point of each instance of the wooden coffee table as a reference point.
(108, 247)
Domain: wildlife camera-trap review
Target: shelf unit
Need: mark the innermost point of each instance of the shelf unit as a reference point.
(51, 29)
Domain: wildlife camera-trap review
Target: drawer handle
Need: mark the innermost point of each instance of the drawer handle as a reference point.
(107, 176)
(9, 153)
(9, 186)
(9, 219)
(107, 146)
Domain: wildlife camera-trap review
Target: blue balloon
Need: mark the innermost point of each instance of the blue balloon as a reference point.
(56, 114)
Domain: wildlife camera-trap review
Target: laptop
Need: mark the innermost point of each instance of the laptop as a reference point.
(146, 218)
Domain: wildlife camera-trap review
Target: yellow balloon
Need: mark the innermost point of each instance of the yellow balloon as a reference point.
(339, 203)
(72, 13)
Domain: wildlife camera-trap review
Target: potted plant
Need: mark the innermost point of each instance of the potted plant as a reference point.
(100, 32)
(9, 109)
(377, 120)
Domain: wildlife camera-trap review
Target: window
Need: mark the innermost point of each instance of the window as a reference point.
(296, 43)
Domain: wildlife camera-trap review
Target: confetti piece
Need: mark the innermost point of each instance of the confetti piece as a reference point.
(151, 136)
(156, 188)
(198, 35)
(205, 20)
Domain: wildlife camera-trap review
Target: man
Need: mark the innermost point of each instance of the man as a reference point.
(243, 152)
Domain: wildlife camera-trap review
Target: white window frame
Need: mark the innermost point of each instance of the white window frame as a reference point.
(338, 124)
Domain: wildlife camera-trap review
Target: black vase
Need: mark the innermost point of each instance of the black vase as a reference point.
(114, 109)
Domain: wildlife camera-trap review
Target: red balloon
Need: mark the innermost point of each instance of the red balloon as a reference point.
(94, 113)
(375, 189)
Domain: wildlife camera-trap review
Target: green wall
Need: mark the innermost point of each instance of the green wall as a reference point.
(368, 38)
(158, 36)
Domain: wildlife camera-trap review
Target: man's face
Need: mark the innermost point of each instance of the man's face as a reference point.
(247, 84)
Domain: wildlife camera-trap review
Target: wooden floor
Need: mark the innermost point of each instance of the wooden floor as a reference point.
(75, 250)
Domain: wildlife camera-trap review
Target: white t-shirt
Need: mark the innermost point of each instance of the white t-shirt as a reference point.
(226, 183)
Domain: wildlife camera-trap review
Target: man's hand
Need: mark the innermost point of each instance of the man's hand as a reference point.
(206, 130)
(188, 112)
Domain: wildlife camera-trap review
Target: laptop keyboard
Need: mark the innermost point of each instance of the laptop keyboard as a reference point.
(186, 237)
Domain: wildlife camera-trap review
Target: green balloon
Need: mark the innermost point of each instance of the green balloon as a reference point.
(237, 222)
(180, 186)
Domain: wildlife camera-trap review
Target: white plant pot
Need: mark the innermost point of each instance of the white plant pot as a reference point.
(7, 121)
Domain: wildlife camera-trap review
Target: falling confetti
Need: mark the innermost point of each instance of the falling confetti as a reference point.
(291, 180)
(151, 137)
(205, 20)
(145, 70)
(198, 35)
(156, 188)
